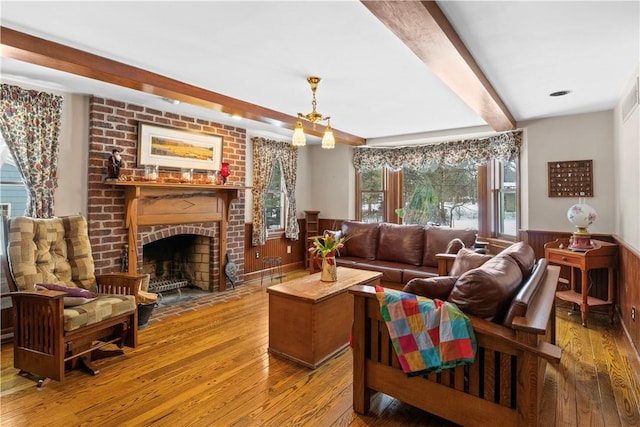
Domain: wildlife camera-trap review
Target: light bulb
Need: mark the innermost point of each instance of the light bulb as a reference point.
(298, 139)
(328, 141)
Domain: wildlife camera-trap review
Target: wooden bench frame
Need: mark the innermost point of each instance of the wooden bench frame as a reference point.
(503, 385)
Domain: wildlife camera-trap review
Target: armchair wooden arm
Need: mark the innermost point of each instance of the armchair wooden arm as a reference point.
(445, 262)
(119, 283)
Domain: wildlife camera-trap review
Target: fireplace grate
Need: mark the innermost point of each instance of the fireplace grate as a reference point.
(162, 285)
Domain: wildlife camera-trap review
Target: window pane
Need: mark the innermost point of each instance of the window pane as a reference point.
(445, 196)
(274, 203)
(372, 206)
(507, 201)
(372, 192)
(13, 192)
(508, 213)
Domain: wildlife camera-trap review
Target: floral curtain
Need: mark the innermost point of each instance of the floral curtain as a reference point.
(265, 153)
(504, 146)
(30, 125)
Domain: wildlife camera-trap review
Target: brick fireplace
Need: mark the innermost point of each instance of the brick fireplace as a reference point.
(114, 124)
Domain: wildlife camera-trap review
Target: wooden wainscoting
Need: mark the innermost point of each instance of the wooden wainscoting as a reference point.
(275, 246)
(628, 293)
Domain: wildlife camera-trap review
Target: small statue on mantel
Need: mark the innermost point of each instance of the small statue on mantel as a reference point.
(114, 164)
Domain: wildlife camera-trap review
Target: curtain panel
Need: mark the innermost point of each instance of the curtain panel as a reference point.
(265, 153)
(504, 146)
(30, 125)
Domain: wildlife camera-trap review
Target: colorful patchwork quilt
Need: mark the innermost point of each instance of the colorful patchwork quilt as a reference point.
(427, 335)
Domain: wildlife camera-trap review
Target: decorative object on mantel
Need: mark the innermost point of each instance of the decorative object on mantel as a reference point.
(224, 172)
(115, 163)
(326, 248)
(298, 140)
(151, 173)
(572, 178)
(582, 216)
(178, 148)
(186, 175)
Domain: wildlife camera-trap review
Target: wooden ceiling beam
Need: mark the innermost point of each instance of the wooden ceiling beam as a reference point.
(38, 51)
(424, 28)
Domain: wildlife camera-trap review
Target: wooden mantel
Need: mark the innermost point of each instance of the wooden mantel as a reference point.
(155, 203)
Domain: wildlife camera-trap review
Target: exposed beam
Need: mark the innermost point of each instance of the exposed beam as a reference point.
(34, 50)
(428, 33)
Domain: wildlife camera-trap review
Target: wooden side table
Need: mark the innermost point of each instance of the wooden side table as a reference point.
(603, 255)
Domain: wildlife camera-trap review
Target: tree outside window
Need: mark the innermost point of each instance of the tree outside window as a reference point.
(445, 196)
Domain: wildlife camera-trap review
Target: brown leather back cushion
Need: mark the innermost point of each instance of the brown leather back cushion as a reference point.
(523, 255)
(437, 239)
(401, 243)
(362, 239)
(486, 291)
(466, 260)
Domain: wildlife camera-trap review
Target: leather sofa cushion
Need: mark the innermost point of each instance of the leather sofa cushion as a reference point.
(420, 272)
(401, 243)
(362, 239)
(433, 287)
(523, 255)
(487, 290)
(437, 239)
(467, 259)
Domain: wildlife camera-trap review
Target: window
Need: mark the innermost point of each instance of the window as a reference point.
(13, 192)
(275, 204)
(444, 196)
(452, 196)
(505, 196)
(371, 198)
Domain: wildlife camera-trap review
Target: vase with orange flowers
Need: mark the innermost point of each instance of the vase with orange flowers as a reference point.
(325, 248)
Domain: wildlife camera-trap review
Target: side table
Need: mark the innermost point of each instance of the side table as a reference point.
(603, 255)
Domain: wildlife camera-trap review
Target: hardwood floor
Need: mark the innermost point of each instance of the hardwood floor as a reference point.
(206, 363)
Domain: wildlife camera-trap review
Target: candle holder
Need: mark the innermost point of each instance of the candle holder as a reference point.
(151, 173)
(186, 175)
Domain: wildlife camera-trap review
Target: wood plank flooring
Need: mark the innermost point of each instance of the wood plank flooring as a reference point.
(205, 363)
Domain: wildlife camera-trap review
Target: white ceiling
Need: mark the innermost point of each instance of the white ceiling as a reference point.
(373, 86)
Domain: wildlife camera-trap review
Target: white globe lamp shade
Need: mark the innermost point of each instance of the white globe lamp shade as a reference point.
(582, 216)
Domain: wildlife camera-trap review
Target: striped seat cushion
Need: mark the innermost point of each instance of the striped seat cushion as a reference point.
(102, 308)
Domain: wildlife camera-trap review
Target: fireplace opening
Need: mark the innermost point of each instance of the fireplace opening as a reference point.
(177, 262)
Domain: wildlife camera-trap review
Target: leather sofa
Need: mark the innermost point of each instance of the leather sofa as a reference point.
(400, 252)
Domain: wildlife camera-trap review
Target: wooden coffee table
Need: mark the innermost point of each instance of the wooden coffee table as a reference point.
(310, 320)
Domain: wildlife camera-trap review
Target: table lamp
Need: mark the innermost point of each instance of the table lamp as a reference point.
(582, 216)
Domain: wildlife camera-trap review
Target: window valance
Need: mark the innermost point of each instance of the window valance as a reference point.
(504, 146)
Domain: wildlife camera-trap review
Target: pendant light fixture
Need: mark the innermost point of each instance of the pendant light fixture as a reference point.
(299, 139)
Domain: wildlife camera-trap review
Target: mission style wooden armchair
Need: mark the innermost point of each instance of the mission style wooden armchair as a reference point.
(54, 330)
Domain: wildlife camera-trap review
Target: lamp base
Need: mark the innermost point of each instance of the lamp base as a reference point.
(581, 242)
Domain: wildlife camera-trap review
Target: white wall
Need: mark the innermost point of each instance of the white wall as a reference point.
(627, 170)
(576, 137)
(332, 187)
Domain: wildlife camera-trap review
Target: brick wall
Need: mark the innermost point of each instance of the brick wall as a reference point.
(114, 124)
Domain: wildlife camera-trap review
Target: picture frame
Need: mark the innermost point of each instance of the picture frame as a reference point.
(178, 148)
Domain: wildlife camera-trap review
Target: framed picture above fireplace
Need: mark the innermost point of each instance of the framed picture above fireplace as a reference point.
(178, 148)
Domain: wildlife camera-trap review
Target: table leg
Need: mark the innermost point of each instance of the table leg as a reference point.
(584, 307)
